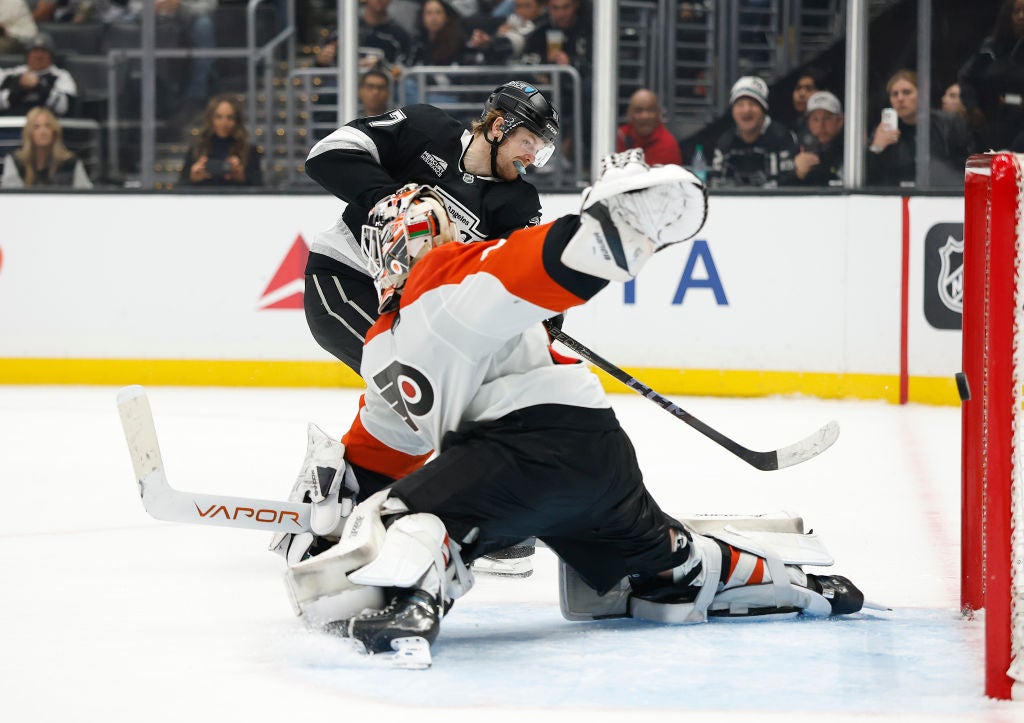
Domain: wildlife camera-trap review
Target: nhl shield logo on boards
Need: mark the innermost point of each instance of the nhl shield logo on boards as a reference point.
(951, 274)
(944, 275)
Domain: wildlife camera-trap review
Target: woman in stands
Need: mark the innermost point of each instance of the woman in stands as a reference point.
(892, 154)
(439, 40)
(43, 161)
(222, 154)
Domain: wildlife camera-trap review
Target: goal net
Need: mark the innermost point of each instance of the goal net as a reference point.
(992, 531)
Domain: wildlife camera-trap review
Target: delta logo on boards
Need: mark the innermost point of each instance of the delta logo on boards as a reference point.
(285, 289)
(944, 275)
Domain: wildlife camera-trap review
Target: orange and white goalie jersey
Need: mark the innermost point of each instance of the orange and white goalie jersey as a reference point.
(466, 345)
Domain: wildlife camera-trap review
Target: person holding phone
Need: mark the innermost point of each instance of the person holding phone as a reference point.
(820, 160)
(892, 155)
(222, 154)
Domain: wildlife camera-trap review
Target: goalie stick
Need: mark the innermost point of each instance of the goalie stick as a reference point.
(166, 503)
(807, 448)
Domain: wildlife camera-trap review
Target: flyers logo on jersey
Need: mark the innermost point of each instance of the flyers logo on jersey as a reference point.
(406, 390)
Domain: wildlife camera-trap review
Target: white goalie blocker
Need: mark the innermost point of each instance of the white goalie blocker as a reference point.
(778, 540)
(351, 577)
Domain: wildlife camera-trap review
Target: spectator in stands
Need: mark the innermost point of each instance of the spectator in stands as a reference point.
(222, 154)
(756, 152)
(37, 82)
(374, 92)
(378, 30)
(506, 43)
(565, 37)
(43, 160)
(892, 155)
(806, 86)
(820, 160)
(644, 129)
(16, 26)
(439, 39)
(951, 101)
(992, 80)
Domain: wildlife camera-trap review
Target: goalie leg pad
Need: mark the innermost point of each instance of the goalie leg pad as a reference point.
(319, 586)
(423, 571)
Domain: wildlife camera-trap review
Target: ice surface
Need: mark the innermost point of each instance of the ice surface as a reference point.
(110, 615)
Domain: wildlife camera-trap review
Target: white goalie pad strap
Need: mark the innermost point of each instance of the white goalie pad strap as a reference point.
(696, 611)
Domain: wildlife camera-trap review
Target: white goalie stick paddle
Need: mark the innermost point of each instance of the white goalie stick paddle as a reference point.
(166, 503)
(807, 448)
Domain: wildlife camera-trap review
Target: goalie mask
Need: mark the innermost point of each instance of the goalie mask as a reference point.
(399, 231)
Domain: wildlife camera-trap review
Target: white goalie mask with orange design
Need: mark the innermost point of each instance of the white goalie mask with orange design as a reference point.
(398, 232)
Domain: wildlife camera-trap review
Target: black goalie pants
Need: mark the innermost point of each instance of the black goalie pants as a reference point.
(567, 475)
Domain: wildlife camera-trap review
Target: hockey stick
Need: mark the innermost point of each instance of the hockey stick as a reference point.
(166, 503)
(801, 451)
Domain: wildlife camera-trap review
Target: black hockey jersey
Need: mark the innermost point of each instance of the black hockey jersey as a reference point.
(765, 163)
(370, 158)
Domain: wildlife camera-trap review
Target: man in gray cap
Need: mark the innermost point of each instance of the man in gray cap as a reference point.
(820, 161)
(38, 82)
(756, 152)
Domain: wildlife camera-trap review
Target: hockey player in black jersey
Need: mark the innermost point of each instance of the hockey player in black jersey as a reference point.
(477, 172)
(480, 175)
(458, 363)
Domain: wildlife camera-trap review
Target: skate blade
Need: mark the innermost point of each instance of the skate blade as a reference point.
(872, 605)
(412, 653)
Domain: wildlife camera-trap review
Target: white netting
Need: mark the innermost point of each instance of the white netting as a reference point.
(1016, 670)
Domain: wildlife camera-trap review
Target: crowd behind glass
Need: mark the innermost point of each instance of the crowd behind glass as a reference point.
(789, 133)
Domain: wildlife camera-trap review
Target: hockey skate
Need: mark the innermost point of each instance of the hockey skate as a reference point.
(406, 626)
(515, 561)
(413, 564)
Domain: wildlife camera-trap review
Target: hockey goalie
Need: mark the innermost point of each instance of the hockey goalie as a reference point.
(459, 370)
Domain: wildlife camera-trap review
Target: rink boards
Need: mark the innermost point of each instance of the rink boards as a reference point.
(831, 296)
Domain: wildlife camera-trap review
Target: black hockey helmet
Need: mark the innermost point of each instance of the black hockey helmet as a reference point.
(524, 105)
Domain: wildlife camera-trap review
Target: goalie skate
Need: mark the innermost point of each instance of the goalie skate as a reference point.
(403, 629)
(515, 561)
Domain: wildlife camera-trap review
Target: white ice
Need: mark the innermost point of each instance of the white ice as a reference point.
(109, 615)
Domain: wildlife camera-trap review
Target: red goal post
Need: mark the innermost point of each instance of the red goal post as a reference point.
(992, 527)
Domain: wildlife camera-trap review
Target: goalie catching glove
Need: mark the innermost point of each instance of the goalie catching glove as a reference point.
(631, 212)
(400, 229)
